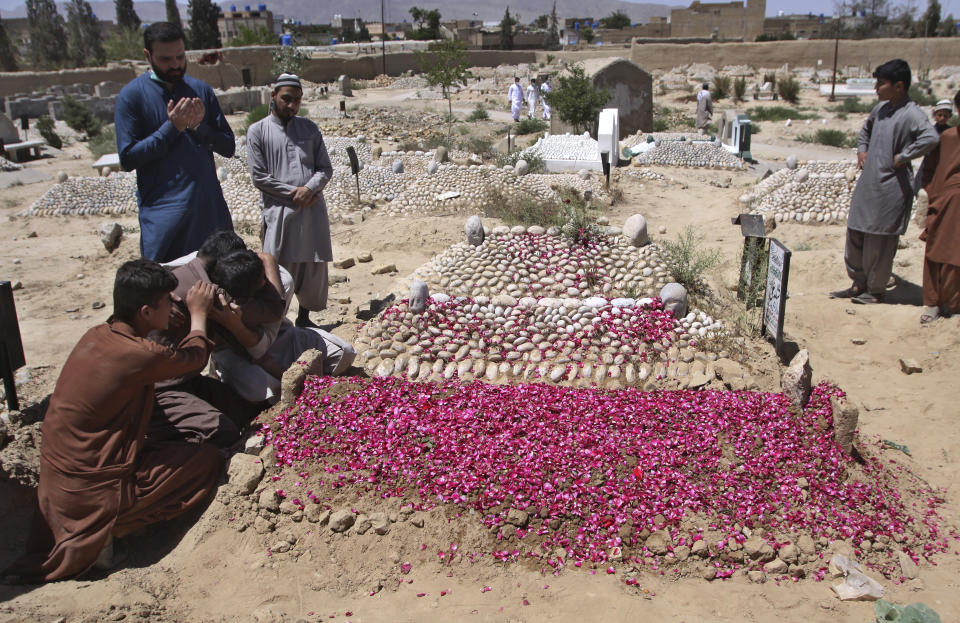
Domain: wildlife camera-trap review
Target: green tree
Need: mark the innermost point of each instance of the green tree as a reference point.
(948, 27)
(8, 60)
(432, 20)
(80, 117)
(84, 43)
(173, 13)
(931, 19)
(506, 30)
(575, 100)
(587, 35)
(288, 59)
(124, 45)
(541, 21)
(127, 17)
(445, 64)
(250, 36)
(617, 19)
(47, 34)
(204, 34)
(553, 36)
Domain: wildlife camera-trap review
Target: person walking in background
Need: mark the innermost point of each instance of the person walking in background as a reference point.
(290, 166)
(515, 96)
(533, 96)
(544, 91)
(896, 132)
(704, 108)
(941, 258)
(168, 126)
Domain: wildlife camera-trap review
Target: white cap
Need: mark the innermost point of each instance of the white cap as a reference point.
(943, 105)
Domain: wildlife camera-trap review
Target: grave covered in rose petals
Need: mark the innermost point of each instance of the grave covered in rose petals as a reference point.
(679, 482)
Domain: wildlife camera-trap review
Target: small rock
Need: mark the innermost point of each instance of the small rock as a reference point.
(363, 258)
(635, 231)
(419, 297)
(440, 154)
(398, 166)
(62, 177)
(521, 168)
(658, 542)
(269, 499)
(342, 520)
(16, 285)
(245, 472)
(775, 567)
(709, 573)
(376, 152)
(700, 549)
(674, 297)
(845, 419)
(662, 229)
(796, 382)
(280, 547)
(347, 263)
(262, 526)
(417, 521)
(791, 162)
(858, 341)
(788, 553)
(910, 366)
(98, 305)
(254, 444)
(380, 523)
(518, 518)
(315, 514)
(432, 167)
(757, 577)
(288, 508)
(110, 235)
(806, 545)
(384, 269)
(474, 231)
(908, 568)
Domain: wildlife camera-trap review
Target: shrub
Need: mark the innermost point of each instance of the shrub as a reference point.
(739, 88)
(687, 260)
(44, 126)
(833, 138)
(853, 105)
(721, 87)
(478, 114)
(771, 78)
(530, 126)
(437, 140)
(789, 89)
(480, 145)
(80, 117)
(920, 97)
(775, 113)
(534, 160)
(522, 210)
(103, 143)
(258, 113)
(660, 125)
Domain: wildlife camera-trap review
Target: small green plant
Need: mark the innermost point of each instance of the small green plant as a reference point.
(80, 117)
(478, 114)
(525, 210)
(438, 140)
(44, 126)
(739, 88)
(688, 122)
(660, 124)
(551, 57)
(288, 59)
(463, 130)
(853, 105)
(920, 97)
(258, 113)
(775, 113)
(721, 87)
(687, 260)
(530, 126)
(103, 143)
(533, 160)
(833, 138)
(480, 145)
(578, 225)
(788, 89)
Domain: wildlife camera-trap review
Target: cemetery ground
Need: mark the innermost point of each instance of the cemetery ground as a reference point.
(202, 568)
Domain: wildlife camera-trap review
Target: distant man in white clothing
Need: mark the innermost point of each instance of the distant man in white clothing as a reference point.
(515, 95)
(533, 96)
(704, 108)
(544, 90)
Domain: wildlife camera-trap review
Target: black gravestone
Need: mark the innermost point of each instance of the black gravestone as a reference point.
(11, 347)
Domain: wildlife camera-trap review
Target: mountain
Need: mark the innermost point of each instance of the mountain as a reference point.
(308, 11)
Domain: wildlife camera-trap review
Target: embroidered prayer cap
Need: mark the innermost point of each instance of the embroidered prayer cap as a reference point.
(287, 80)
(943, 105)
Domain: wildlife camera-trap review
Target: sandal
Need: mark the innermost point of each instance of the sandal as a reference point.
(867, 299)
(849, 293)
(930, 313)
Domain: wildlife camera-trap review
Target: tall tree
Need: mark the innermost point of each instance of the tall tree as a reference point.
(204, 34)
(553, 37)
(575, 99)
(445, 64)
(173, 13)
(931, 19)
(617, 19)
(948, 27)
(84, 43)
(127, 17)
(47, 34)
(8, 60)
(506, 30)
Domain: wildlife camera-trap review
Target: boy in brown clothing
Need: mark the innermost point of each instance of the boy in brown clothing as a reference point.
(98, 477)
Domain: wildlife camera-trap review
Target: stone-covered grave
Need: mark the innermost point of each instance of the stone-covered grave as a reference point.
(817, 191)
(679, 149)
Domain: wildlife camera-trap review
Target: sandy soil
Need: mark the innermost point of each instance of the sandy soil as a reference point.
(199, 568)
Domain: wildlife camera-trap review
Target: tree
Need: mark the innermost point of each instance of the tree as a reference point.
(417, 14)
(575, 100)
(931, 19)
(506, 31)
(8, 60)
(124, 45)
(127, 17)
(553, 37)
(249, 36)
(445, 64)
(204, 34)
(288, 59)
(617, 19)
(47, 34)
(541, 21)
(84, 43)
(432, 20)
(173, 13)
(587, 35)
(948, 27)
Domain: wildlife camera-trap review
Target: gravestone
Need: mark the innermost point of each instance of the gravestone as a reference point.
(775, 299)
(8, 131)
(608, 133)
(344, 82)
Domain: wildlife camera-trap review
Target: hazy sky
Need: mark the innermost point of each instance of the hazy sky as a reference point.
(827, 6)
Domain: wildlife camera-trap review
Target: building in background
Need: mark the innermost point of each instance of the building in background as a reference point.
(729, 20)
(230, 22)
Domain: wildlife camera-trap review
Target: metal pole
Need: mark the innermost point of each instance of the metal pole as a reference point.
(383, 38)
(836, 48)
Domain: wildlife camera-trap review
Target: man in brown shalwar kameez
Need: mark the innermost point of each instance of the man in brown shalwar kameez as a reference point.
(941, 262)
(99, 479)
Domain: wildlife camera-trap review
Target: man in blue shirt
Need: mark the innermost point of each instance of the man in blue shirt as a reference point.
(168, 126)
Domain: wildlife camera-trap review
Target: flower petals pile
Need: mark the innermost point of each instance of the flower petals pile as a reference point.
(593, 472)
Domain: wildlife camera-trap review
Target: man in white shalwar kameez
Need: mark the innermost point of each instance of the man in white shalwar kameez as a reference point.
(290, 166)
(515, 96)
(533, 96)
(544, 90)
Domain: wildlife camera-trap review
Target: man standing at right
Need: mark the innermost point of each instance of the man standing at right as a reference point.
(544, 92)
(704, 108)
(896, 132)
(515, 95)
(290, 166)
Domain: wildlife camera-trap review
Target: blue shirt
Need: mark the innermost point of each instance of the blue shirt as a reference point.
(180, 199)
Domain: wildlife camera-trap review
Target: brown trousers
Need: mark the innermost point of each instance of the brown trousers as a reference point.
(941, 285)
